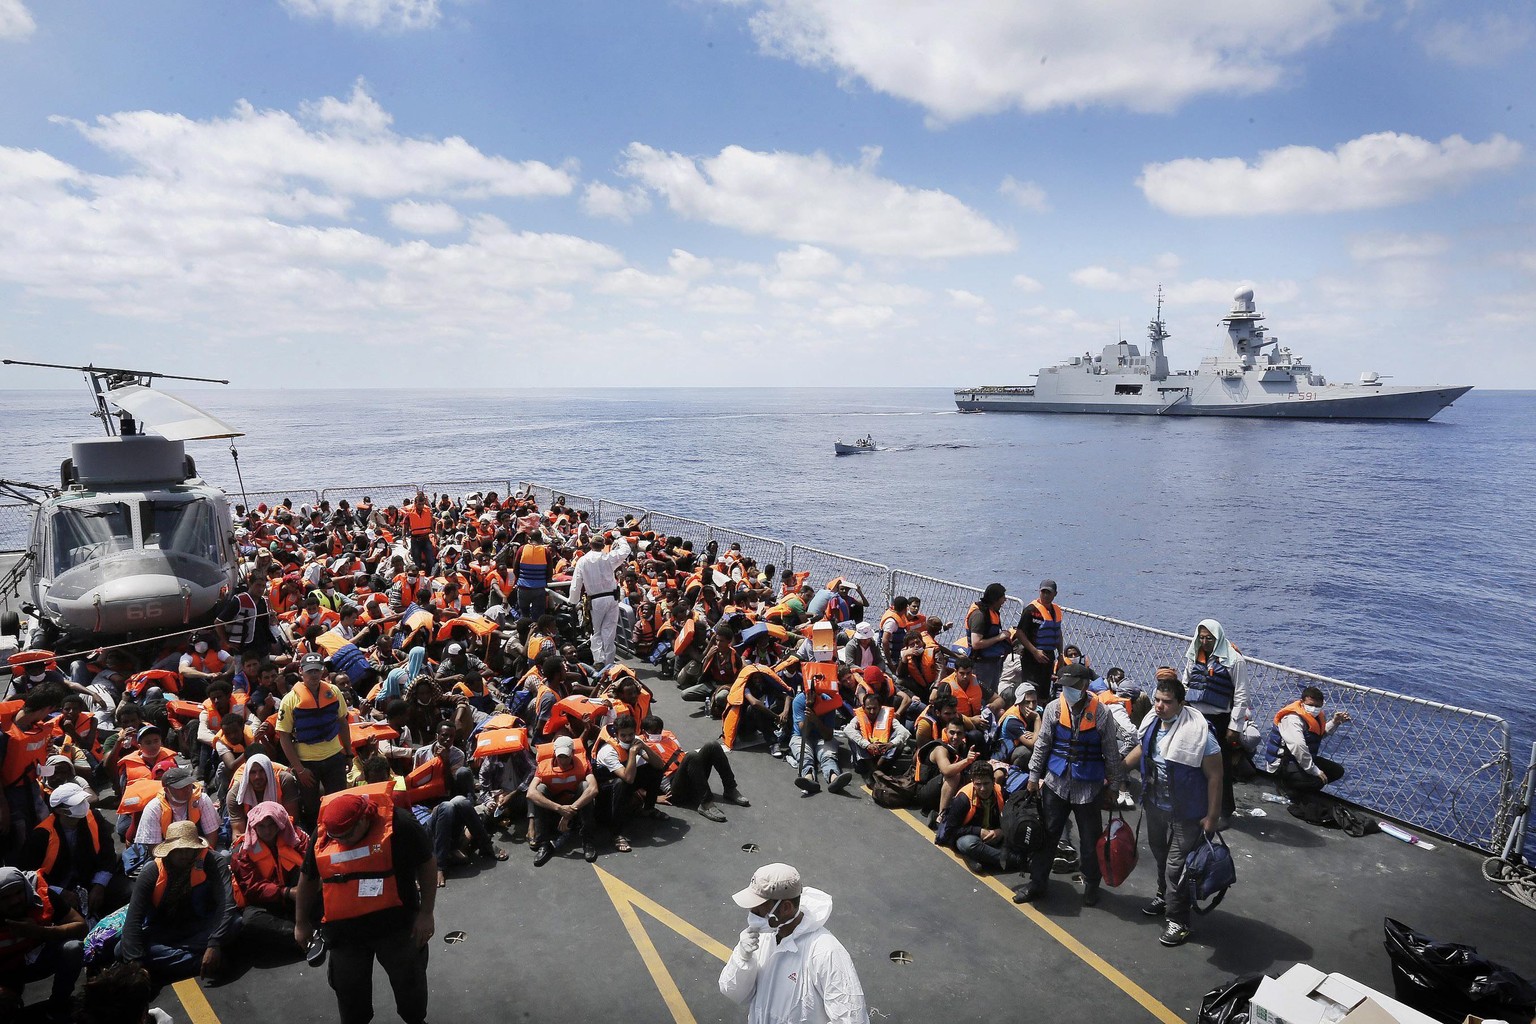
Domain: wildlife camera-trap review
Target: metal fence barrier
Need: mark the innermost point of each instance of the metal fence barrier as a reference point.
(948, 601)
(1443, 768)
(872, 577)
(762, 550)
(678, 526)
(382, 495)
(457, 489)
(15, 525)
(610, 512)
(547, 496)
(295, 495)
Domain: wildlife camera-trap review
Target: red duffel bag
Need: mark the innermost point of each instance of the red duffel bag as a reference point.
(1117, 850)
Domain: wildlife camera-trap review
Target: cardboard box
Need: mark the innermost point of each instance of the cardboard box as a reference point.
(823, 642)
(1305, 995)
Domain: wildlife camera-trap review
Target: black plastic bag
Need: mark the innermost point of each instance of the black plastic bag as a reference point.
(1448, 980)
(1229, 1003)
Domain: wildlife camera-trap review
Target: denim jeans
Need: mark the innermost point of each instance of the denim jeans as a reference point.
(972, 846)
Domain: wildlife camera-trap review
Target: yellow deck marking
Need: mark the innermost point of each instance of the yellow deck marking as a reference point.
(625, 899)
(1055, 931)
(194, 1002)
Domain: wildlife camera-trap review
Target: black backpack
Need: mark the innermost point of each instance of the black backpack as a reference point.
(1023, 823)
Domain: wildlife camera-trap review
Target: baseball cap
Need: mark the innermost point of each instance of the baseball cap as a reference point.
(1048, 585)
(48, 767)
(1076, 670)
(175, 778)
(455, 648)
(769, 882)
(564, 745)
(872, 674)
(313, 663)
(147, 729)
(70, 800)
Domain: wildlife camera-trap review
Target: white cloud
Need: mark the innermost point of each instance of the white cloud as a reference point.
(970, 57)
(1396, 246)
(1025, 193)
(1382, 169)
(1027, 284)
(389, 15)
(15, 20)
(1489, 40)
(1130, 279)
(812, 199)
(599, 200)
(425, 218)
(963, 299)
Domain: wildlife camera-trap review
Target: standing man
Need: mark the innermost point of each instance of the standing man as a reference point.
(786, 965)
(1216, 686)
(1077, 751)
(593, 576)
(313, 732)
(1039, 638)
(373, 871)
(531, 566)
(1181, 763)
(420, 521)
(990, 642)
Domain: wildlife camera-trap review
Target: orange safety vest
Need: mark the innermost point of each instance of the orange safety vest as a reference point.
(27, 747)
(268, 868)
(427, 782)
(194, 809)
(878, 731)
(923, 665)
(208, 662)
(671, 752)
(50, 825)
(501, 734)
(360, 879)
(969, 792)
(821, 689)
(968, 701)
(685, 637)
(562, 781)
(420, 522)
(199, 876)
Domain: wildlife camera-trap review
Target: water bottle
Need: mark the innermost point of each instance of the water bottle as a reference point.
(1275, 798)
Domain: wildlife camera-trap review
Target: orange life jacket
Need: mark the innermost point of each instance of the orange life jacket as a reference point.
(134, 768)
(50, 825)
(968, 700)
(427, 783)
(27, 747)
(501, 734)
(671, 752)
(199, 877)
(194, 809)
(562, 781)
(877, 731)
(358, 880)
(969, 792)
(268, 868)
(821, 689)
(420, 521)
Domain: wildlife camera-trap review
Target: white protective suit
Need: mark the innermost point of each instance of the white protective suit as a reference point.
(808, 978)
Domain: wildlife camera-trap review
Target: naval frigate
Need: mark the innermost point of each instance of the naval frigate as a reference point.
(1252, 375)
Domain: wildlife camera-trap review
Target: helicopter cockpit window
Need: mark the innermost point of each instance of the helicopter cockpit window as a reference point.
(84, 532)
(183, 527)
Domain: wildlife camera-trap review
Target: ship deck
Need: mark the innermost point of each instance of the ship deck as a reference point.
(643, 935)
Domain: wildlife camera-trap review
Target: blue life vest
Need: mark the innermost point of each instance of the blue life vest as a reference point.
(1176, 789)
(533, 567)
(992, 627)
(1078, 753)
(316, 721)
(1047, 621)
(352, 661)
(1210, 683)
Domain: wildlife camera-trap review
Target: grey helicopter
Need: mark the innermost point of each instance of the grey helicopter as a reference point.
(132, 543)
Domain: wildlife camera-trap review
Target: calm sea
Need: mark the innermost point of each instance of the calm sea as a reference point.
(1392, 554)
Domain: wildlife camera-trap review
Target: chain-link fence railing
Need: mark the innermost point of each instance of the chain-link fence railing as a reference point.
(762, 550)
(459, 489)
(15, 525)
(1444, 769)
(295, 496)
(872, 577)
(548, 497)
(610, 512)
(382, 495)
(678, 526)
(948, 601)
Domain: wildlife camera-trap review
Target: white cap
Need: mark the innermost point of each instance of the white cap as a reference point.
(769, 882)
(864, 631)
(70, 800)
(455, 648)
(564, 745)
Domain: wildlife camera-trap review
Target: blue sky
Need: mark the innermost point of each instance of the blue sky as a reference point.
(429, 192)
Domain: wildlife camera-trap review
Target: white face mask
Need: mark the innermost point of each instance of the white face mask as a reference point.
(201, 647)
(38, 676)
(1070, 695)
(653, 737)
(758, 923)
(1315, 710)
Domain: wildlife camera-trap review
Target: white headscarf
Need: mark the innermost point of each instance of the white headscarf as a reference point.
(258, 763)
(1221, 649)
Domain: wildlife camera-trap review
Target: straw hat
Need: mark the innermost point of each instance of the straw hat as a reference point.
(181, 835)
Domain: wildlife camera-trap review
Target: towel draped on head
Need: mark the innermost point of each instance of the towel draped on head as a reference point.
(1222, 648)
(263, 764)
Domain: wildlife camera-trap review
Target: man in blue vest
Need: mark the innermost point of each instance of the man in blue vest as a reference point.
(1077, 757)
(989, 641)
(316, 740)
(1181, 763)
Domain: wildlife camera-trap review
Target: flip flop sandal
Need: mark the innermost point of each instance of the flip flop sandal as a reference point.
(621, 844)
